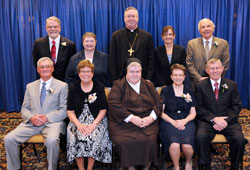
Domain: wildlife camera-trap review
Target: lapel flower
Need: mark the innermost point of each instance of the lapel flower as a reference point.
(64, 44)
(92, 98)
(224, 87)
(50, 90)
(187, 97)
(216, 44)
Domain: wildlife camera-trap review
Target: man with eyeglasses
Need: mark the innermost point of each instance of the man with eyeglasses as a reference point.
(43, 111)
(57, 47)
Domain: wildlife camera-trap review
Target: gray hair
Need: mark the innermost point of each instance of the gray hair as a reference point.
(202, 20)
(212, 61)
(44, 59)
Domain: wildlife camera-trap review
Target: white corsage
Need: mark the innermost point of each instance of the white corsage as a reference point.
(50, 90)
(92, 98)
(216, 44)
(187, 97)
(224, 87)
(64, 44)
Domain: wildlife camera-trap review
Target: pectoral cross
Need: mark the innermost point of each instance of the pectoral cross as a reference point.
(130, 51)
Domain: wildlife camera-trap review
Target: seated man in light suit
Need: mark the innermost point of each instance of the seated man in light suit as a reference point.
(218, 108)
(43, 112)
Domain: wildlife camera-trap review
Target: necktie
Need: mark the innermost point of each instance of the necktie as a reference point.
(216, 90)
(53, 52)
(207, 49)
(43, 94)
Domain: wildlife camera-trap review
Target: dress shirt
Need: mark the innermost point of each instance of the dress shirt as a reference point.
(210, 40)
(57, 40)
(47, 86)
(212, 83)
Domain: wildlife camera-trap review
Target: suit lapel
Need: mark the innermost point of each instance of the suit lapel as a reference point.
(36, 91)
(210, 90)
(60, 51)
(96, 59)
(163, 55)
(220, 97)
(201, 47)
(47, 47)
(213, 48)
(49, 93)
(174, 55)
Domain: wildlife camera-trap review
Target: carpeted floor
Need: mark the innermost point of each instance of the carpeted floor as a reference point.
(9, 121)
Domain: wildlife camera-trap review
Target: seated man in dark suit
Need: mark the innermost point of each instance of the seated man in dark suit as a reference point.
(218, 108)
(43, 111)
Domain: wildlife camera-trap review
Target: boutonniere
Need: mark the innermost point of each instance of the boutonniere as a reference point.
(50, 90)
(216, 44)
(64, 44)
(92, 98)
(187, 97)
(224, 87)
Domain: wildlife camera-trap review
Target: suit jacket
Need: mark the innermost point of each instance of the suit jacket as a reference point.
(228, 104)
(54, 107)
(162, 66)
(123, 101)
(118, 53)
(196, 59)
(42, 49)
(100, 60)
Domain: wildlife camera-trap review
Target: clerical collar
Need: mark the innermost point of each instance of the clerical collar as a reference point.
(132, 31)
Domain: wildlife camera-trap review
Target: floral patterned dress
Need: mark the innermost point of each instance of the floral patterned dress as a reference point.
(86, 106)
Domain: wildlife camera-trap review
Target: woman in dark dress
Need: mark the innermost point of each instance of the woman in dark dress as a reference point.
(177, 126)
(87, 132)
(167, 55)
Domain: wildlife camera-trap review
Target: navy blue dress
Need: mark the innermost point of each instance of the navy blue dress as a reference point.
(176, 108)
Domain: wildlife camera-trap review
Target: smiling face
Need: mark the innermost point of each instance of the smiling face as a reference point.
(178, 76)
(53, 28)
(86, 74)
(133, 73)
(131, 19)
(168, 37)
(215, 70)
(206, 28)
(45, 69)
(89, 43)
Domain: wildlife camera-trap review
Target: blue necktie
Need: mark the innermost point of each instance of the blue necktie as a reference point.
(43, 94)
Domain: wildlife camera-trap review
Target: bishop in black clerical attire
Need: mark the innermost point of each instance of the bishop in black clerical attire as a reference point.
(131, 41)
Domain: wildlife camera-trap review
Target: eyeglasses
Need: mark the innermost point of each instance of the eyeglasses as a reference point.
(44, 66)
(170, 34)
(178, 75)
(85, 72)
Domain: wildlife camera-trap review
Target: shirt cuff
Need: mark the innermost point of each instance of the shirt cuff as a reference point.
(128, 118)
(153, 115)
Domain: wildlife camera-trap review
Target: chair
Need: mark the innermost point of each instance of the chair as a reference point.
(36, 139)
(220, 139)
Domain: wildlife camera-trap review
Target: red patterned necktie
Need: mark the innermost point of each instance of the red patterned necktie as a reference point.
(53, 52)
(216, 90)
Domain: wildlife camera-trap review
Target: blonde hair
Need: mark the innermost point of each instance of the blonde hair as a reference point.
(88, 34)
(53, 18)
(178, 67)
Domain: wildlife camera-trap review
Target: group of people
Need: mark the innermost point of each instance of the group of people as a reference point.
(186, 117)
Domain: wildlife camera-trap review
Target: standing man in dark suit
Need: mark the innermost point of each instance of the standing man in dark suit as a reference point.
(43, 111)
(218, 109)
(128, 42)
(200, 50)
(58, 48)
